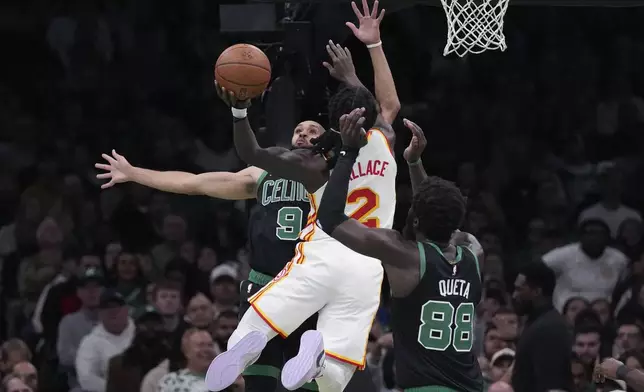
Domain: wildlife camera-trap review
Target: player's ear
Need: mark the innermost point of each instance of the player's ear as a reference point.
(415, 223)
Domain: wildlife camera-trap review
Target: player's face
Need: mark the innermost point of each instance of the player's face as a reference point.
(304, 133)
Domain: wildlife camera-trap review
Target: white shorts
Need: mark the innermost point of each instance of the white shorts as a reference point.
(326, 277)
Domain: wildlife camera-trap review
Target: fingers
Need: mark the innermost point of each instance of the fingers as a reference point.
(330, 49)
(327, 66)
(415, 129)
(381, 16)
(104, 175)
(346, 50)
(107, 184)
(116, 155)
(374, 10)
(103, 166)
(365, 8)
(343, 122)
(352, 27)
(109, 159)
(356, 10)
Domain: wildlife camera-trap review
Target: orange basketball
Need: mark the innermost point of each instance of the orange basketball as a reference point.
(243, 69)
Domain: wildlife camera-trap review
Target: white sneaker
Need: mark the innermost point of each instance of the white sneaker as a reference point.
(307, 364)
(227, 366)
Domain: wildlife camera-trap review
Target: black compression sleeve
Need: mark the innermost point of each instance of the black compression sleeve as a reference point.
(331, 212)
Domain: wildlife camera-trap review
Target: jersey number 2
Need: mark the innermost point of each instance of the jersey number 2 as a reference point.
(289, 223)
(436, 331)
(369, 202)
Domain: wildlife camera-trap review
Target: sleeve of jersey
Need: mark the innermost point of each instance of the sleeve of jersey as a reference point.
(331, 211)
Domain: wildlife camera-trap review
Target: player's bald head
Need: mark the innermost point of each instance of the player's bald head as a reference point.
(305, 132)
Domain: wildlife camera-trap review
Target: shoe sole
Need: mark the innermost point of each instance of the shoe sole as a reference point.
(227, 366)
(303, 367)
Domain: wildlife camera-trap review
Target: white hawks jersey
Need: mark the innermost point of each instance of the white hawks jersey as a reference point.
(372, 189)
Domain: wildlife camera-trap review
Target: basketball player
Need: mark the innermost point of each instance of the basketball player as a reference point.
(435, 284)
(324, 276)
(275, 222)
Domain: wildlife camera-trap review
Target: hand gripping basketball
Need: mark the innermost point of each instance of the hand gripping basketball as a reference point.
(353, 135)
(229, 98)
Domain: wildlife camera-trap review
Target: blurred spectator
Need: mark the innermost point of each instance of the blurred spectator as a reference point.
(589, 268)
(27, 373)
(199, 349)
(167, 301)
(12, 352)
(150, 346)
(610, 209)
(587, 343)
(580, 376)
(540, 367)
(174, 232)
(62, 299)
(500, 364)
(110, 337)
(224, 288)
(75, 326)
(12, 383)
(200, 312)
(38, 270)
(572, 307)
(225, 325)
(129, 280)
(629, 338)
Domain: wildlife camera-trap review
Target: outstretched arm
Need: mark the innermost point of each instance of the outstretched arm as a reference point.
(369, 33)
(384, 244)
(223, 185)
(276, 160)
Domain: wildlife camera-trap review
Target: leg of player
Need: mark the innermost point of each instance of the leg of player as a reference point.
(244, 347)
(311, 363)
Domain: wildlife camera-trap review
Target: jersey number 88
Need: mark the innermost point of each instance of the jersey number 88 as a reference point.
(442, 326)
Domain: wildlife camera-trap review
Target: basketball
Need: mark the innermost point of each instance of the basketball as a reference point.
(243, 69)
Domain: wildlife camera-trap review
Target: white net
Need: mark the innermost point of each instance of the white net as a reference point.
(474, 26)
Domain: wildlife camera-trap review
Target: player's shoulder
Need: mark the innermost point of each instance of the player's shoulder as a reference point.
(385, 129)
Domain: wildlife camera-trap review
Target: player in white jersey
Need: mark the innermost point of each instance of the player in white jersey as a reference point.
(324, 276)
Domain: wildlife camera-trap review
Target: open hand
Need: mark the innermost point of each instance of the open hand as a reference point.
(353, 135)
(118, 169)
(369, 22)
(417, 144)
(229, 98)
(341, 67)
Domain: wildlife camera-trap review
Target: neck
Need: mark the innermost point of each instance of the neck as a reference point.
(196, 369)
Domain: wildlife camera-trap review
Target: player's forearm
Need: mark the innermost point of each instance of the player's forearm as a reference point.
(417, 174)
(245, 141)
(384, 84)
(331, 213)
(635, 380)
(167, 181)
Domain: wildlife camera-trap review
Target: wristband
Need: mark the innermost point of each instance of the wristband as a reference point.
(622, 372)
(349, 152)
(415, 163)
(239, 113)
(371, 46)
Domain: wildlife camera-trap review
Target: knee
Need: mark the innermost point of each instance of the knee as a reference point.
(251, 321)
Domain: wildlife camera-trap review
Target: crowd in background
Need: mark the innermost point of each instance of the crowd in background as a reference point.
(131, 289)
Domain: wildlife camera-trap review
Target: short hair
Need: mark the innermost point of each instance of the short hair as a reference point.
(587, 317)
(166, 284)
(497, 295)
(348, 98)
(586, 328)
(630, 321)
(440, 208)
(16, 345)
(539, 275)
(227, 314)
(583, 225)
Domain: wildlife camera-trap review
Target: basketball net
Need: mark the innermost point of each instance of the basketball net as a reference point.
(474, 26)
